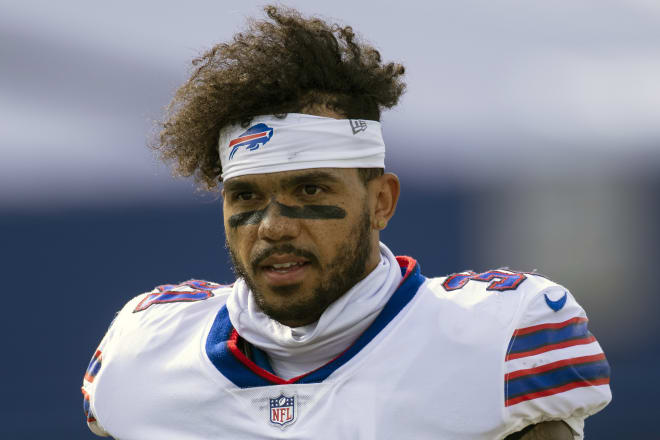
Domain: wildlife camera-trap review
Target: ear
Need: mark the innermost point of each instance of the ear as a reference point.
(384, 191)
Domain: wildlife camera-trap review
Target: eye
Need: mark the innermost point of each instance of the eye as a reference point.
(244, 196)
(311, 190)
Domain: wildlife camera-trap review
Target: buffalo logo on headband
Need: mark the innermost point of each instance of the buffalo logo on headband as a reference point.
(252, 138)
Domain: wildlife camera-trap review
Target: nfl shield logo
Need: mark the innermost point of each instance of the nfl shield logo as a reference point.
(282, 410)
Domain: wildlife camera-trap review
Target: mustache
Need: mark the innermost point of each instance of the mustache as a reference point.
(286, 248)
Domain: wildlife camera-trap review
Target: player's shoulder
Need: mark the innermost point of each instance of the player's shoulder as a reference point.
(151, 322)
(179, 295)
(154, 317)
(554, 368)
(471, 286)
(166, 300)
(492, 301)
(510, 297)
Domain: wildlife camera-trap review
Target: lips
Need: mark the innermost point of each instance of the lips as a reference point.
(283, 258)
(282, 269)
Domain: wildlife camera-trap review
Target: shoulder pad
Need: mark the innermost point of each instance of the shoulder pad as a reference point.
(483, 285)
(186, 292)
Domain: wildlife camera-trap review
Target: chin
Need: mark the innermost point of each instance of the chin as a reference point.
(285, 305)
(286, 290)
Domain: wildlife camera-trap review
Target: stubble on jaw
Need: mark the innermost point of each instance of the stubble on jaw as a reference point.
(342, 273)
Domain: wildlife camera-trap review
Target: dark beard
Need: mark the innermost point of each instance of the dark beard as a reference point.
(346, 270)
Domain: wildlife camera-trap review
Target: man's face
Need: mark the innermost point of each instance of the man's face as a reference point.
(300, 239)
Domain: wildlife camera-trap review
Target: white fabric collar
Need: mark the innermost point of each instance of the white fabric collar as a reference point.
(295, 351)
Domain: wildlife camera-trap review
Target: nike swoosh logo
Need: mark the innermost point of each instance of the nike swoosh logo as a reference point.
(556, 305)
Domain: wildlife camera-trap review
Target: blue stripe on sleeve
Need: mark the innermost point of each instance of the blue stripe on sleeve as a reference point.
(94, 367)
(558, 377)
(171, 296)
(548, 337)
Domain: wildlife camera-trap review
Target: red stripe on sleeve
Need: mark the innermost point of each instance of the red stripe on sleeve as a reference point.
(555, 325)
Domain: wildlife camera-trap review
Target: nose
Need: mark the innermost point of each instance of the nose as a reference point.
(275, 227)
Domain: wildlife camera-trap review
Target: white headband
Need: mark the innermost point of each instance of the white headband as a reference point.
(300, 141)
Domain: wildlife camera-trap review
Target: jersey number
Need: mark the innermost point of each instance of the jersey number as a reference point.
(193, 290)
(499, 280)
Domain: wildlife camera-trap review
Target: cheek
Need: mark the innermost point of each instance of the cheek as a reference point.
(334, 234)
(238, 240)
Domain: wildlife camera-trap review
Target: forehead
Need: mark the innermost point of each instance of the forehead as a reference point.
(283, 179)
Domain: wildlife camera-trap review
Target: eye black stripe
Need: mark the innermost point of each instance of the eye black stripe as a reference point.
(308, 212)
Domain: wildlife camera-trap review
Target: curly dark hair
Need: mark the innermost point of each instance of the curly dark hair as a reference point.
(284, 64)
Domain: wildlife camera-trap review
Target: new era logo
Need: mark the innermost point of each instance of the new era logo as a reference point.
(357, 125)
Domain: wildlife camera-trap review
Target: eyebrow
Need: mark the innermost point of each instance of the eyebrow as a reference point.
(312, 176)
(238, 186)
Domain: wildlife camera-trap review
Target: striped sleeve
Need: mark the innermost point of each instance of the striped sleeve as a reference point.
(554, 367)
(94, 372)
(90, 379)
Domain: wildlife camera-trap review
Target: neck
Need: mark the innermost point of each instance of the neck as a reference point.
(292, 352)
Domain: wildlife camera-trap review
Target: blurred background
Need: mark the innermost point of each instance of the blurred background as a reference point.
(528, 138)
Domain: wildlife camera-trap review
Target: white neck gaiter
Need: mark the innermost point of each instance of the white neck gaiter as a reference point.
(295, 351)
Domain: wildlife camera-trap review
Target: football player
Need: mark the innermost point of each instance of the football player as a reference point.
(325, 333)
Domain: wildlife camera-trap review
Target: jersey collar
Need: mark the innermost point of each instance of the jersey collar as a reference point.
(222, 350)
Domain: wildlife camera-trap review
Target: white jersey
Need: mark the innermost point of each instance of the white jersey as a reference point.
(469, 356)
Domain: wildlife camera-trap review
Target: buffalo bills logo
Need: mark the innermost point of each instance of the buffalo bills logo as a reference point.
(252, 138)
(282, 410)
